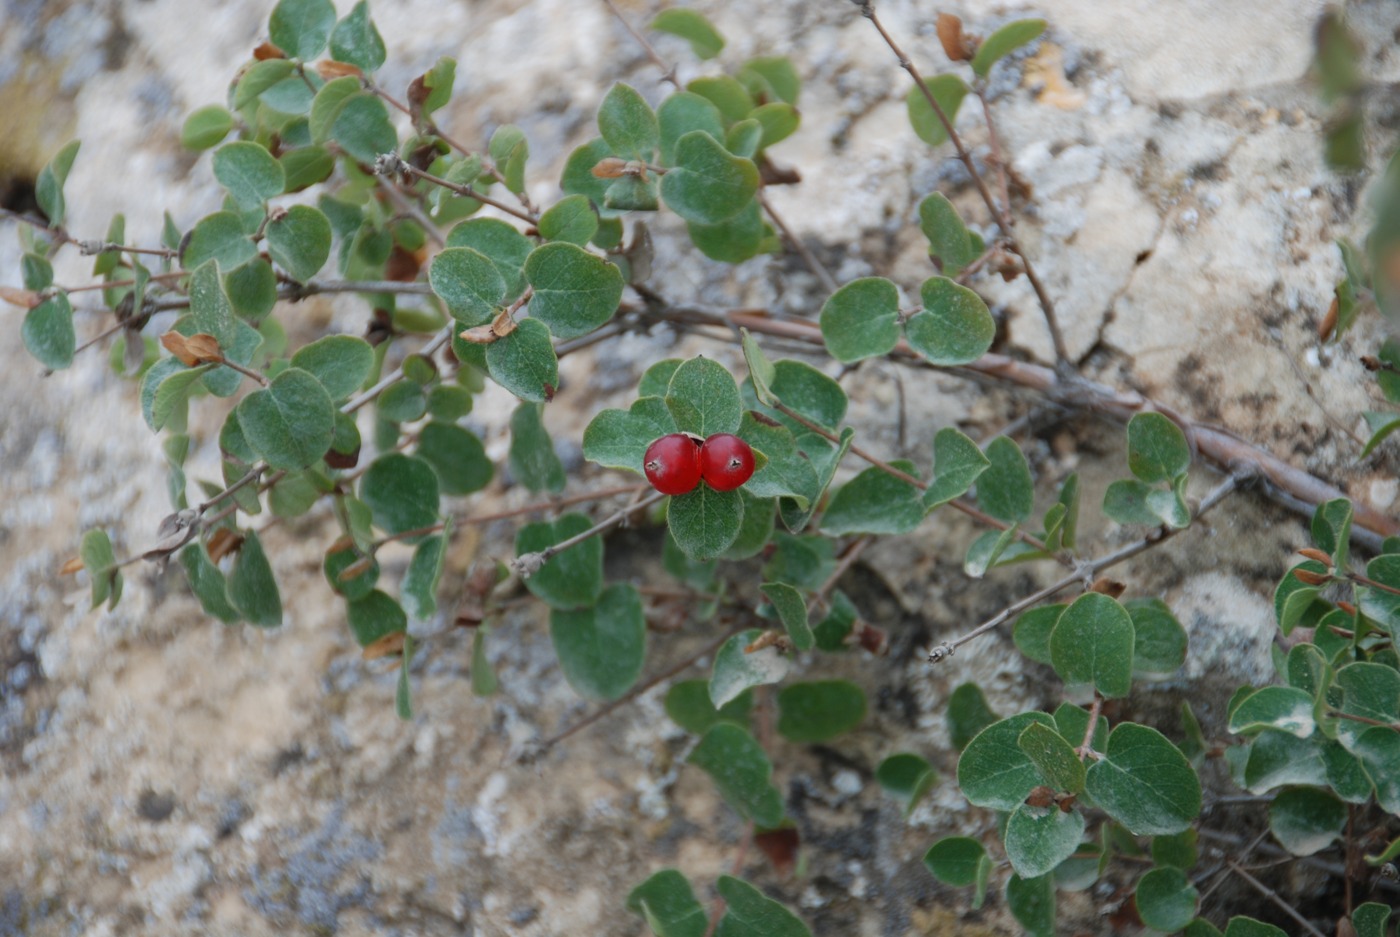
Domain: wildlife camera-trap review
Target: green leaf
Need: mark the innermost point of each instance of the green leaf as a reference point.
(1166, 899)
(1371, 691)
(708, 185)
(861, 319)
(363, 129)
(340, 559)
(948, 238)
(679, 114)
(206, 127)
(1306, 820)
(907, 778)
(726, 93)
(504, 246)
(825, 459)
(792, 612)
(325, 107)
(1033, 629)
(628, 124)
(968, 714)
(457, 456)
(341, 363)
(420, 580)
(509, 150)
(575, 291)
(1144, 782)
(251, 290)
(1278, 758)
(750, 913)
(736, 671)
(819, 710)
(601, 649)
(811, 393)
(438, 82)
(1157, 448)
(306, 166)
(164, 388)
(875, 502)
(788, 473)
(954, 327)
(532, 456)
(571, 219)
(1072, 722)
(578, 178)
(1178, 851)
(374, 616)
(704, 40)
(1005, 489)
(688, 704)
(1380, 603)
(290, 423)
(48, 188)
(957, 860)
(483, 677)
(259, 77)
(1000, 44)
(732, 241)
(251, 588)
(219, 237)
(1241, 926)
(705, 522)
(1032, 903)
(249, 172)
(101, 564)
(524, 362)
(1378, 749)
(1039, 838)
(778, 120)
(48, 332)
(1054, 758)
(207, 583)
(771, 77)
(294, 495)
(669, 906)
(704, 399)
(743, 138)
(1276, 707)
(571, 579)
(619, 438)
(300, 241)
(1331, 529)
(401, 492)
(300, 28)
(740, 769)
(1092, 644)
(356, 40)
(469, 282)
(403, 703)
(949, 91)
(1159, 641)
(1370, 919)
(993, 772)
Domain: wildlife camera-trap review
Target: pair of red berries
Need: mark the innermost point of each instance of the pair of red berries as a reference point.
(676, 463)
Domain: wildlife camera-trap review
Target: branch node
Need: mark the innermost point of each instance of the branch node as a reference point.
(940, 652)
(527, 564)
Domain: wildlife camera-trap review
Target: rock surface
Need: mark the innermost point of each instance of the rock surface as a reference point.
(164, 774)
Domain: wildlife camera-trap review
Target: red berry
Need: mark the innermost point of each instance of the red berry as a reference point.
(672, 464)
(726, 462)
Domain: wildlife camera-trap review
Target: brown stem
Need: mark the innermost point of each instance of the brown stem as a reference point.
(1273, 897)
(999, 214)
(808, 258)
(398, 165)
(1293, 487)
(668, 72)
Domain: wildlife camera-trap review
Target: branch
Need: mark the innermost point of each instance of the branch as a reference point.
(1295, 488)
(527, 564)
(1000, 214)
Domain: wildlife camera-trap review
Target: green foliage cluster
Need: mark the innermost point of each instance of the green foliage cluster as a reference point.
(1075, 792)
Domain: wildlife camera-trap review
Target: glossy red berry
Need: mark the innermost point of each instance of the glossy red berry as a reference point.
(726, 462)
(672, 464)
